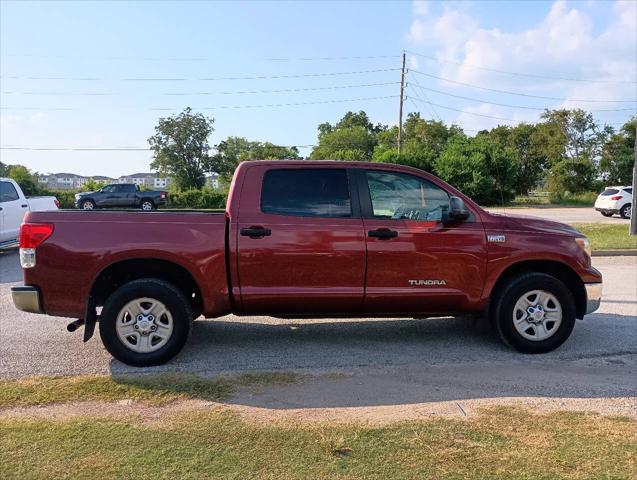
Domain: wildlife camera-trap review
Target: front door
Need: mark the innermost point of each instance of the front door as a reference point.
(417, 263)
(301, 242)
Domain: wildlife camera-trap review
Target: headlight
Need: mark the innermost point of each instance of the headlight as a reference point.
(584, 244)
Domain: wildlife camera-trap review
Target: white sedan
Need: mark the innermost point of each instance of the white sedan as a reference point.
(615, 200)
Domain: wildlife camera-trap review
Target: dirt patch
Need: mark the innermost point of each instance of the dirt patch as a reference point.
(462, 409)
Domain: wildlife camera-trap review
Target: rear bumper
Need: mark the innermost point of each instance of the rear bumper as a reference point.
(27, 299)
(593, 296)
(607, 210)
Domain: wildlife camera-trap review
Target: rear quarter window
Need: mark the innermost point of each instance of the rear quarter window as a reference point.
(628, 190)
(308, 192)
(609, 191)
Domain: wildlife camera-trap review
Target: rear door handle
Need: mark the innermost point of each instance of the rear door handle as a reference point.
(24, 206)
(256, 232)
(382, 234)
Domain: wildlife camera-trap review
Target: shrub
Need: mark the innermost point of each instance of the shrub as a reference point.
(201, 199)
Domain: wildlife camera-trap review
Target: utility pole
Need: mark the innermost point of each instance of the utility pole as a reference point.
(633, 219)
(400, 108)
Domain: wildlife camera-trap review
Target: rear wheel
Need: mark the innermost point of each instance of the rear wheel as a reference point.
(607, 214)
(147, 205)
(534, 313)
(88, 205)
(626, 211)
(145, 322)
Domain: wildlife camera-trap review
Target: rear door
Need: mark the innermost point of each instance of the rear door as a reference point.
(12, 211)
(300, 242)
(415, 262)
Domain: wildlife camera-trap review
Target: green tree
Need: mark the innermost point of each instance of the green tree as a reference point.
(480, 168)
(181, 149)
(572, 142)
(353, 137)
(4, 169)
(91, 185)
(616, 164)
(234, 150)
(24, 178)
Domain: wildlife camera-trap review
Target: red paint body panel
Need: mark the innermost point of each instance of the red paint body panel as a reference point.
(308, 265)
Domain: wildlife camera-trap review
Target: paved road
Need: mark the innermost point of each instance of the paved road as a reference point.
(566, 215)
(386, 362)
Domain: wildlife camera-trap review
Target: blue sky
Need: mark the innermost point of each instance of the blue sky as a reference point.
(100, 74)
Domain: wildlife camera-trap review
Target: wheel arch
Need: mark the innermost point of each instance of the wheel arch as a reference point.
(556, 269)
(123, 271)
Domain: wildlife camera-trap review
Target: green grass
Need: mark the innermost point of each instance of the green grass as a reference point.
(156, 389)
(607, 237)
(502, 443)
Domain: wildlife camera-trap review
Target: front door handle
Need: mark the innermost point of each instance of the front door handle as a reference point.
(382, 234)
(256, 232)
(24, 206)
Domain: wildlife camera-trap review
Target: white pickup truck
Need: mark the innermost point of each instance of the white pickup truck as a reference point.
(13, 206)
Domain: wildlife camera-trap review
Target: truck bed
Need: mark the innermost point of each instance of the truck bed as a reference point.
(85, 243)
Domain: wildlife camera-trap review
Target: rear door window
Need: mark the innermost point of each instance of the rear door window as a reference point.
(8, 193)
(308, 192)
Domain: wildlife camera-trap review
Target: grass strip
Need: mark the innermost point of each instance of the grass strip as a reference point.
(607, 237)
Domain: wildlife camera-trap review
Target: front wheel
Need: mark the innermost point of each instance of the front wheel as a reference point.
(626, 211)
(534, 313)
(88, 205)
(145, 322)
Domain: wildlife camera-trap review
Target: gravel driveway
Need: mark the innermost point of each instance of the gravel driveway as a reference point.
(381, 362)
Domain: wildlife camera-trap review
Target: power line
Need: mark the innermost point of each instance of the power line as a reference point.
(238, 92)
(219, 107)
(632, 109)
(518, 74)
(507, 92)
(199, 59)
(204, 79)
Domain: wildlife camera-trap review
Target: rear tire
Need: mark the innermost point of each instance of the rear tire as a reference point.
(147, 205)
(626, 211)
(607, 214)
(537, 332)
(148, 340)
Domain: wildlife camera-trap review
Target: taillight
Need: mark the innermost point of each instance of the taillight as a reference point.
(162, 195)
(32, 235)
(616, 197)
(57, 202)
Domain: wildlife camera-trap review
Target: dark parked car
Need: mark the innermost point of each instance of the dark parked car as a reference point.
(121, 195)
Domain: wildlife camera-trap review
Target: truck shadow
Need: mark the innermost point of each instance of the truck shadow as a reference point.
(396, 362)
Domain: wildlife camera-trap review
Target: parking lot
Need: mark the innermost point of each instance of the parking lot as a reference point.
(367, 362)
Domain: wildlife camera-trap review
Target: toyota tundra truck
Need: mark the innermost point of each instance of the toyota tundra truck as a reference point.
(306, 239)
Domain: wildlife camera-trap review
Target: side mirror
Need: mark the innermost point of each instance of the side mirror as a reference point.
(457, 209)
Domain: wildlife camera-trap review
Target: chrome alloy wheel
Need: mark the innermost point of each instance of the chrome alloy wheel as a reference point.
(147, 206)
(144, 325)
(87, 206)
(537, 315)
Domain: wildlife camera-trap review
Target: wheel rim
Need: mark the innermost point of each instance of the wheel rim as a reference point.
(537, 315)
(144, 325)
(629, 211)
(87, 206)
(147, 206)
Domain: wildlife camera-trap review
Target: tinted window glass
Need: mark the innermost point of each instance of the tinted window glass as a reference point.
(628, 190)
(8, 192)
(400, 196)
(610, 191)
(308, 192)
(109, 189)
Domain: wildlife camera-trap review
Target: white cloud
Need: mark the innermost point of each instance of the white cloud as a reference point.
(565, 43)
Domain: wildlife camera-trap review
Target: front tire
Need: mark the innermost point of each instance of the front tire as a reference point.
(534, 313)
(88, 205)
(145, 322)
(626, 211)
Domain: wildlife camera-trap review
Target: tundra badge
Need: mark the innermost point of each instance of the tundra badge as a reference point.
(426, 283)
(496, 238)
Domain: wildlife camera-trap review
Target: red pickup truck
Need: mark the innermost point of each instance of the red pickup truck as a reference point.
(306, 239)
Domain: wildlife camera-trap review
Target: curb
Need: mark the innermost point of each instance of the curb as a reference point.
(629, 252)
